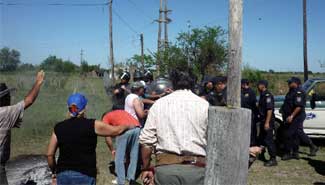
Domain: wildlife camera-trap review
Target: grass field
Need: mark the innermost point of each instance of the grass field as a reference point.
(50, 108)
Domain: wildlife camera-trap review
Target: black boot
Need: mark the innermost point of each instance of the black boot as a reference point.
(295, 155)
(313, 150)
(271, 162)
(286, 157)
(261, 157)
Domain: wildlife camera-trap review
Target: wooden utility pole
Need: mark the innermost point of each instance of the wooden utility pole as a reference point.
(229, 127)
(305, 40)
(142, 53)
(158, 62)
(166, 22)
(81, 56)
(111, 51)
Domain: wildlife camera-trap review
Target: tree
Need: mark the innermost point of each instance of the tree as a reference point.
(148, 61)
(52, 63)
(9, 59)
(205, 48)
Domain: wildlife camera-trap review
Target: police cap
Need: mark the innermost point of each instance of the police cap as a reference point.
(294, 80)
(263, 82)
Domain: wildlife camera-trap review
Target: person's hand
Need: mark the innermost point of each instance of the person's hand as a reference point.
(40, 77)
(53, 179)
(123, 87)
(168, 90)
(266, 126)
(290, 119)
(255, 150)
(113, 154)
(146, 112)
(147, 178)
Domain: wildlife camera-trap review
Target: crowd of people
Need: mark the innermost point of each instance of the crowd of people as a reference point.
(169, 123)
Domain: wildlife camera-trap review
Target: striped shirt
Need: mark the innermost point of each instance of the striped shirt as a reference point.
(10, 117)
(177, 124)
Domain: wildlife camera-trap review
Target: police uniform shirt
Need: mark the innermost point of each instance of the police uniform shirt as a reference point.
(119, 98)
(248, 99)
(265, 104)
(218, 98)
(294, 98)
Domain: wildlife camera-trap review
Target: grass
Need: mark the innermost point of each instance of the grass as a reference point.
(50, 107)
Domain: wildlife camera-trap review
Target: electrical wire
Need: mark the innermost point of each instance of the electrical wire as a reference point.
(125, 22)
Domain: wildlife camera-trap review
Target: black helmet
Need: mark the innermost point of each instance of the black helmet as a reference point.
(137, 75)
(125, 76)
(148, 76)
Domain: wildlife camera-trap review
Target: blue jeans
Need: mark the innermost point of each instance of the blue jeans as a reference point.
(127, 143)
(73, 178)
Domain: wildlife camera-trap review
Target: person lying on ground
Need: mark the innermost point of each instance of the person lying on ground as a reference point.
(11, 116)
(76, 138)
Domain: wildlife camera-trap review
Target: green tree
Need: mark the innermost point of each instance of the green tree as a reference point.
(52, 63)
(148, 61)
(9, 59)
(205, 48)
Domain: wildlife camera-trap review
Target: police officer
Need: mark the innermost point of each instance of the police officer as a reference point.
(120, 91)
(293, 112)
(248, 100)
(148, 77)
(218, 97)
(267, 119)
(207, 87)
(138, 76)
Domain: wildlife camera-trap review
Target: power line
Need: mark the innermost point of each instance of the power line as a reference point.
(140, 10)
(53, 4)
(125, 22)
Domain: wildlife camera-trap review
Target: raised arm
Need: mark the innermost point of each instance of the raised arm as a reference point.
(105, 130)
(33, 93)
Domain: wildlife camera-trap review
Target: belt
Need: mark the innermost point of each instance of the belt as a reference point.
(168, 159)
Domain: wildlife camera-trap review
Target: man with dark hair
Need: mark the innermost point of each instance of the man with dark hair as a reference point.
(293, 112)
(266, 119)
(10, 117)
(176, 127)
(207, 87)
(218, 97)
(121, 90)
(248, 101)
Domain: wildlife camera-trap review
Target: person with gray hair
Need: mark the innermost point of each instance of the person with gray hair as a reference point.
(11, 116)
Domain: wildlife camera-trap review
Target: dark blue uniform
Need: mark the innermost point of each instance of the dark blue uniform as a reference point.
(266, 103)
(294, 130)
(119, 98)
(217, 98)
(248, 101)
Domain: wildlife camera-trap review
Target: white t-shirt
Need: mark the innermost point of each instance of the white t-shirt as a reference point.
(129, 107)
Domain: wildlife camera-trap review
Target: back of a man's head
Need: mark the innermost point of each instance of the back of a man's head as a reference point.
(182, 79)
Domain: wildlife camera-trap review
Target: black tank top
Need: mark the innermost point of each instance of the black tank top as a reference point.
(77, 142)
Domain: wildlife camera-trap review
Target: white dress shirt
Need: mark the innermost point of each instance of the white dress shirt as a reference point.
(177, 123)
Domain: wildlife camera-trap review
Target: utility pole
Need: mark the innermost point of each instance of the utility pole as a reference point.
(305, 40)
(81, 56)
(142, 53)
(111, 51)
(166, 21)
(158, 62)
(229, 126)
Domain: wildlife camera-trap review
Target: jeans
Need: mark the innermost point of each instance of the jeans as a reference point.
(73, 178)
(127, 143)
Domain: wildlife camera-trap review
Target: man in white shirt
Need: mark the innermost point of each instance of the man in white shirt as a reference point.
(176, 128)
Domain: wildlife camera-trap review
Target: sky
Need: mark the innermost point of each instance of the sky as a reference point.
(272, 29)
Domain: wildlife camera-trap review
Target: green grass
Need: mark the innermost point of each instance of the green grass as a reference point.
(50, 108)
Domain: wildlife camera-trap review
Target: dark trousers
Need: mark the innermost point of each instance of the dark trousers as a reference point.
(293, 132)
(253, 138)
(266, 139)
(3, 176)
(302, 136)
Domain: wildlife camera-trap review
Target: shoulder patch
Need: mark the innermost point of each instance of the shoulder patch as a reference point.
(246, 95)
(299, 92)
(267, 94)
